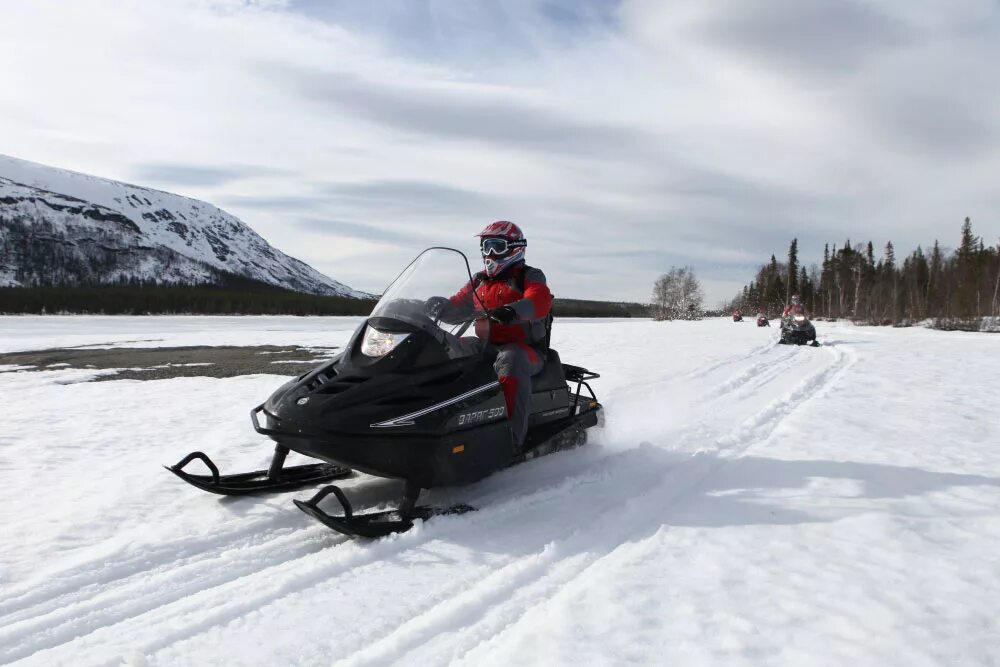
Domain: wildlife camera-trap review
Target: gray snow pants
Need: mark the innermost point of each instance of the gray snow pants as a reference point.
(515, 364)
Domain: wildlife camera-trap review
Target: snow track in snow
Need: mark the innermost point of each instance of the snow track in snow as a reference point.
(525, 585)
(132, 599)
(245, 581)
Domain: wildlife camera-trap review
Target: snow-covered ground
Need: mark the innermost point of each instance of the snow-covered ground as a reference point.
(746, 504)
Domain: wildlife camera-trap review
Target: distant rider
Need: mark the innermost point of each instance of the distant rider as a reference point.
(795, 308)
(517, 304)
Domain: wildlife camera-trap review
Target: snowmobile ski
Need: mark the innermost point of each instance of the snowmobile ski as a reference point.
(373, 525)
(274, 479)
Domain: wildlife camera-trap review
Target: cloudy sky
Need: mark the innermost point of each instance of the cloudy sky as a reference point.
(625, 137)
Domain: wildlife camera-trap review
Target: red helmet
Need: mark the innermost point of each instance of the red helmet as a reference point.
(502, 244)
(503, 229)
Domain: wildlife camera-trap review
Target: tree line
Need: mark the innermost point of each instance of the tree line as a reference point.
(148, 299)
(235, 297)
(584, 308)
(952, 289)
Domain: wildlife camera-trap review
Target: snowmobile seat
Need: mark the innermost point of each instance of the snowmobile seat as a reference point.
(551, 376)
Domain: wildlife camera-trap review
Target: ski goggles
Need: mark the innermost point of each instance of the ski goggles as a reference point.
(499, 246)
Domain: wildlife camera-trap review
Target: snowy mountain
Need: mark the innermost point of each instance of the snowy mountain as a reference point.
(58, 226)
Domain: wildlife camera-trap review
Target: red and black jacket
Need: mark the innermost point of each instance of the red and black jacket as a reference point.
(521, 287)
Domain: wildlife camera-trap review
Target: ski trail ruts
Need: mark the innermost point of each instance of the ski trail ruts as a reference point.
(75, 620)
(480, 612)
(759, 425)
(513, 589)
(706, 370)
(485, 612)
(194, 609)
(73, 615)
(722, 363)
(201, 610)
(107, 571)
(576, 472)
(155, 628)
(220, 614)
(580, 465)
(759, 373)
(84, 579)
(758, 428)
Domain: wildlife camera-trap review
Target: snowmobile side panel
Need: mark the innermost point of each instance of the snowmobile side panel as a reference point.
(459, 457)
(550, 438)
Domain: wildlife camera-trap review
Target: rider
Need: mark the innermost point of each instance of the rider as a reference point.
(795, 307)
(517, 304)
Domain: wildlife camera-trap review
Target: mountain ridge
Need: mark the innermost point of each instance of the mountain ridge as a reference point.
(63, 227)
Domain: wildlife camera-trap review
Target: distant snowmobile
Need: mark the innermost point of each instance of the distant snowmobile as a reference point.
(737, 316)
(409, 398)
(796, 329)
(762, 320)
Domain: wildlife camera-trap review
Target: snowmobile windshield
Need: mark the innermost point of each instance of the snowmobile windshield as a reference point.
(421, 296)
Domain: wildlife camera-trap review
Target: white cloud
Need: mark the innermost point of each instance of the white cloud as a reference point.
(652, 134)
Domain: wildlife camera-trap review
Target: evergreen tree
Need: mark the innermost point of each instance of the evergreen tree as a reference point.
(967, 247)
(968, 273)
(890, 257)
(793, 269)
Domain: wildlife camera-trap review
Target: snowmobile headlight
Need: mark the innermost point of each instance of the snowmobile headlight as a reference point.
(800, 318)
(380, 343)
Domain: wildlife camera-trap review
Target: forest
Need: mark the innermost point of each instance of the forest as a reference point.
(149, 299)
(234, 297)
(951, 290)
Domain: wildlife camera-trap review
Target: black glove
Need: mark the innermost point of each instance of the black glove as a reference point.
(436, 305)
(503, 314)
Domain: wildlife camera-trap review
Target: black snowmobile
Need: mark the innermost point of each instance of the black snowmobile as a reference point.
(797, 330)
(410, 397)
(762, 320)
